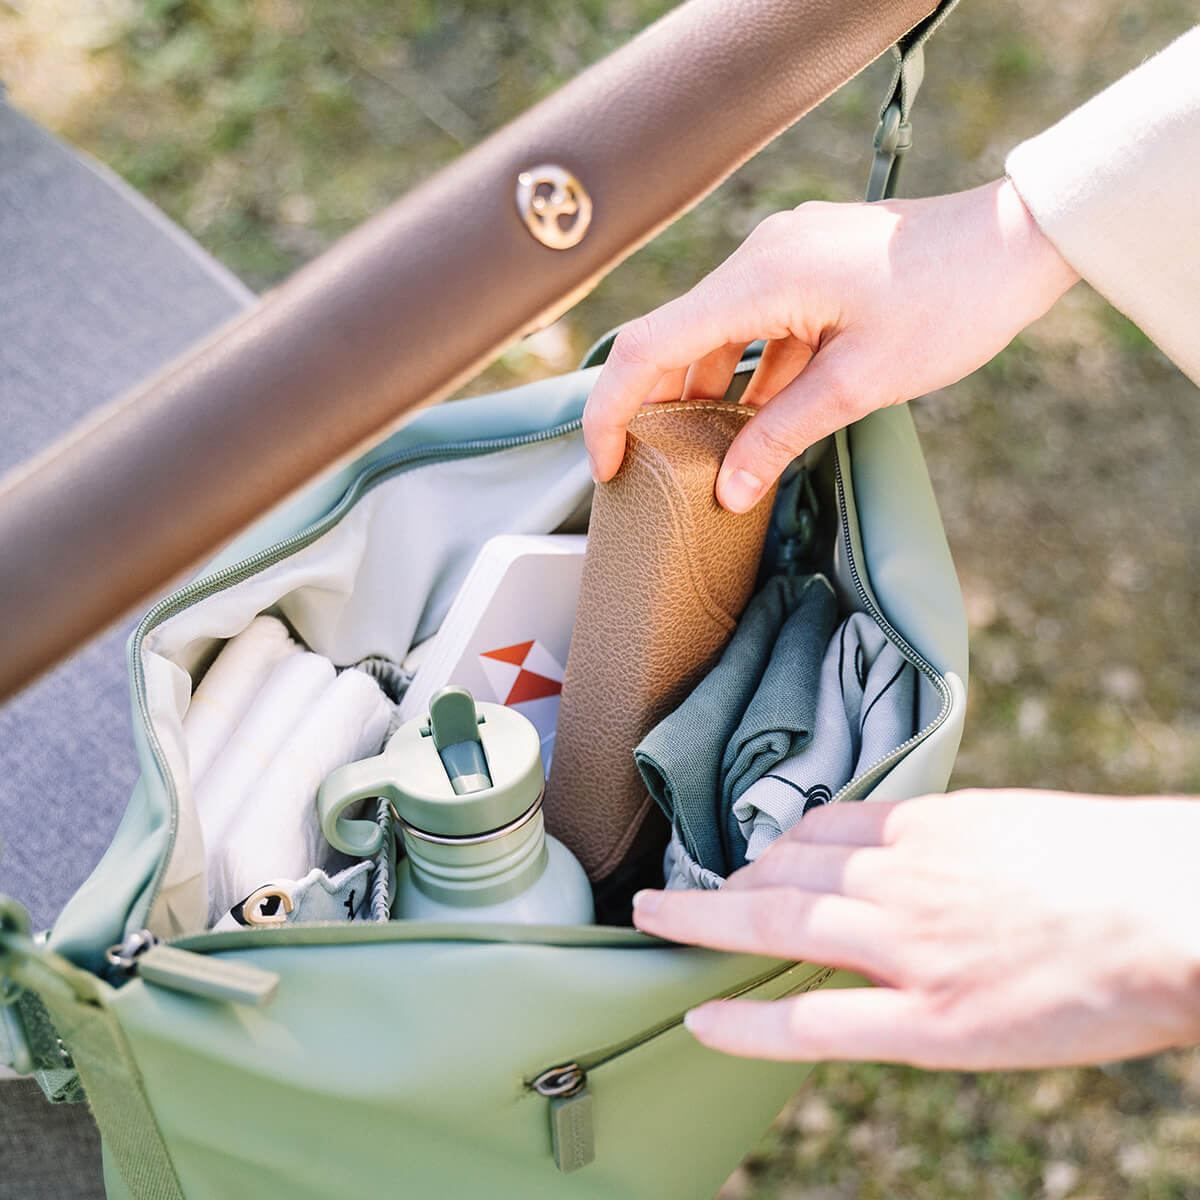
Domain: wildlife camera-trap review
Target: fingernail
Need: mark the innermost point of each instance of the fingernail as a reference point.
(647, 902)
(740, 491)
(592, 468)
(697, 1021)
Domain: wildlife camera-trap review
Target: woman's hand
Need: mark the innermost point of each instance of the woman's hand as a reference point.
(1004, 929)
(888, 301)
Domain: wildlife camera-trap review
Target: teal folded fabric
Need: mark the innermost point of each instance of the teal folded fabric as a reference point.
(753, 709)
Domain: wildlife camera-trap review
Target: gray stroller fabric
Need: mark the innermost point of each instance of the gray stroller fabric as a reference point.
(97, 290)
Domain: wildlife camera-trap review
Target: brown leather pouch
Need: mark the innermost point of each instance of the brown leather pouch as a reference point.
(667, 574)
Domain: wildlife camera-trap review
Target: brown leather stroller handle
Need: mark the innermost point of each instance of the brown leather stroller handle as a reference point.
(408, 307)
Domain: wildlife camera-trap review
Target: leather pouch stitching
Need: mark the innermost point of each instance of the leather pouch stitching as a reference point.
(656, 463)
(734, 410)
(674, 493)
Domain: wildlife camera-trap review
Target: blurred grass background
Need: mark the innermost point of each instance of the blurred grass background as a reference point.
(1065, 468)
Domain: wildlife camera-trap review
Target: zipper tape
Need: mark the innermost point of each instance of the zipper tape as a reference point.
(219, 581)
(374, 475)
(561, 1079)
(572, 1129)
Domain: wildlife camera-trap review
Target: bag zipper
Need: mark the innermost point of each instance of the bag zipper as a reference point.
(180, 970)
(862, 783)
(565, 1085)
(209, 585)
(364, 483)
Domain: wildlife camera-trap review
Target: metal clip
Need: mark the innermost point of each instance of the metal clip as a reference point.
(892, 138)
(559, 1082)
(572, 1131)
(124, 955)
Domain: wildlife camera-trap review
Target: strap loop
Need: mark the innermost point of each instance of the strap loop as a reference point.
(892, 138)
(893, 135)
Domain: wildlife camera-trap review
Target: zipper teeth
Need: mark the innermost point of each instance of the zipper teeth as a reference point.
(360, 486)
(236, 573)
(589, 1062)
(864, 781)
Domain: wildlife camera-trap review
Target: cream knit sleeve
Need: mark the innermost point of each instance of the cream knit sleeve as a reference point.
(1116, 187)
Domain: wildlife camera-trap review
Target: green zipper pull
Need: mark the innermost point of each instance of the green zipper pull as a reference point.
(202, 975)
(572, 1133)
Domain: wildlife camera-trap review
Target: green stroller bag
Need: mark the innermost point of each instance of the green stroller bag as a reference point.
(417, 1057)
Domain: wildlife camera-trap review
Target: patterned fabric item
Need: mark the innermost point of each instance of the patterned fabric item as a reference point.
(866, 708)
(755, 707)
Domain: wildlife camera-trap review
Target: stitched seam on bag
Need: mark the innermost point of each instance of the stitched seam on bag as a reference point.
(734, 410)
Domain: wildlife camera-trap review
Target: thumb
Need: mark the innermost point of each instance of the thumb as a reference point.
(822, 399)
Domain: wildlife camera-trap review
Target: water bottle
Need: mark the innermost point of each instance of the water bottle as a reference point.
(466, 781)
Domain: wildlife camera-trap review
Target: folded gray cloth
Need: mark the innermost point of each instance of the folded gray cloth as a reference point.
(753, 709)
(866, 708)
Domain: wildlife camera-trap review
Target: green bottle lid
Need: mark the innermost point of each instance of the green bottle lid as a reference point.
(463, 769)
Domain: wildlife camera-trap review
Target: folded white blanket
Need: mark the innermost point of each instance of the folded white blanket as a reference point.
(228, 687)
(274, 832)
(866, 708)
(288, 694)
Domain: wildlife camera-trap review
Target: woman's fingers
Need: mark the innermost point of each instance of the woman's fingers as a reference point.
(781, 922)
(863, 285)
(668, 339)
(856, 871)
(849, 823)
(824, 397)
(669, 386)
(848, 1024)
(722, 310)
(782, 360)
(709, 377)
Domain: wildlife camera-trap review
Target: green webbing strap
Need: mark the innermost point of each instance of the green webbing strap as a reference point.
(30, 1044)
(893, 136)
(72, 1005)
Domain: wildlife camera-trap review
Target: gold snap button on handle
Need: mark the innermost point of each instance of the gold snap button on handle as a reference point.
(554, 205)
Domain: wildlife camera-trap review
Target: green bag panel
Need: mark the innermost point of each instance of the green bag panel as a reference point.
(407, 1065)
(903, 541)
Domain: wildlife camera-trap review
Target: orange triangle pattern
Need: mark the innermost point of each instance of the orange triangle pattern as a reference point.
(533, 687)
(511, 654)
